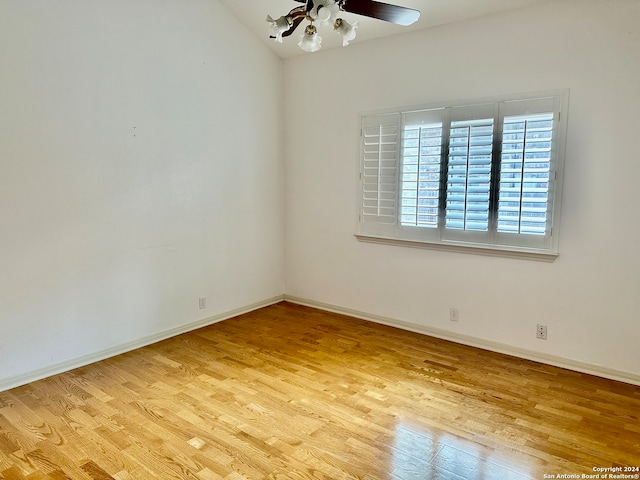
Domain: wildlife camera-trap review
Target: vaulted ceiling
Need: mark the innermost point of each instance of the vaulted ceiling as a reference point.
(253, 13)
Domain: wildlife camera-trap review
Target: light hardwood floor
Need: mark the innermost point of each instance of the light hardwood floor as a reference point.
(289, 392)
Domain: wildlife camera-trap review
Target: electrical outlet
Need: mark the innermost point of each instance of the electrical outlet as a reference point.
(454, 314)
(202, 302)
(541, 333)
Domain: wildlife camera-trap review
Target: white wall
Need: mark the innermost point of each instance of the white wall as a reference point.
(140, 168)
(589, 296)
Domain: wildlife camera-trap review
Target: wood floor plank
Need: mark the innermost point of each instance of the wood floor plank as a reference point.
(290, 392)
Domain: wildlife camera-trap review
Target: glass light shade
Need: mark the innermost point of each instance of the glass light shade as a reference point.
(278, 27)
(325, 11)
(347, 30)
(310, 41)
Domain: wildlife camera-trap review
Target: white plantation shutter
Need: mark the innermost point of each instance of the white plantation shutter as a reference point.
(483, 175)
(420, 187)
(469, 174)
(421, 170)
(528, 170)
(379, 174)
(468, 181)
(524, 174)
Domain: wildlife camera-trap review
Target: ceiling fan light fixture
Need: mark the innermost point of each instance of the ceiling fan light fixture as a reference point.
(347, 30)
(279, 26)
(310, 41)
(325, 12)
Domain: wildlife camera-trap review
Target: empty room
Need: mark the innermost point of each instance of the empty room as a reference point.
(356, 240)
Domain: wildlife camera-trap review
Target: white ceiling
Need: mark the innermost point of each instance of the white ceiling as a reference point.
(252, 13)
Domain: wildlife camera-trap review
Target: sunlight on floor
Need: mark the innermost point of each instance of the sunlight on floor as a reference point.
(419, 454)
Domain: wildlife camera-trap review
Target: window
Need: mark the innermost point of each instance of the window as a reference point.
(483, 174)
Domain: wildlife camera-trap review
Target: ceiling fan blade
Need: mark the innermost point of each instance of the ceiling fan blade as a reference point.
(382, 11)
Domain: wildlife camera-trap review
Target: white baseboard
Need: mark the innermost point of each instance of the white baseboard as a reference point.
(583, 367)
(16, 381)
(556, 361)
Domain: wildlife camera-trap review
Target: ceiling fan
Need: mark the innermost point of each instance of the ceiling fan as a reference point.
(327, 11)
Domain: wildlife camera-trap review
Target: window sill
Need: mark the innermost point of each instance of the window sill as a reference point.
(464, 248)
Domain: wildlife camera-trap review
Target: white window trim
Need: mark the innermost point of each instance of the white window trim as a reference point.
(392, 235)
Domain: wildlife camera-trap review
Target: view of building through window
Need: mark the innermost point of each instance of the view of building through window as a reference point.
(523, 174)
